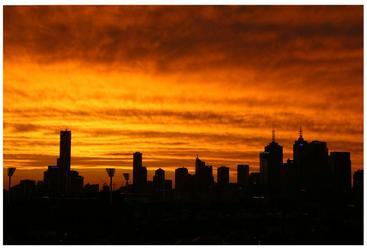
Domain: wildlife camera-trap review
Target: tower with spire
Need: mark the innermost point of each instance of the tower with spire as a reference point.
(273, 162)
(300, 155)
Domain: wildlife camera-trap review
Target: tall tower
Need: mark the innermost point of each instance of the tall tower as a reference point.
(274, 164)
(300, 158)
(139, 172)
(137, 160)
(65, 150)
(137, 164)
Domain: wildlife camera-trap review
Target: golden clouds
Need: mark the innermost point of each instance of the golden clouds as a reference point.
(176, 81)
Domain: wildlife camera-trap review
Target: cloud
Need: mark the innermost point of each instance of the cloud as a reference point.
(176, 38)
(174, 81)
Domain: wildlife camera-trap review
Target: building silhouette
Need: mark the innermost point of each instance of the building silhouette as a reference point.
(358, 180)
(76, 183)
(243, 171)
(272, 162)
(255, 183)
(25, 190)
(290, 179)
(276, 205)
(65, 150)
(203, 175)
(59, 180)
(342, 171)
(318, 172)
(159, 180)
(52, 180)
(139, 173)
(183, 180)
(223, 176)
(168, 185)
(300, 157)
(91, 189)
(264, 168)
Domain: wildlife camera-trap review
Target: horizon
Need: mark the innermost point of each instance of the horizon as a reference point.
(100, 172)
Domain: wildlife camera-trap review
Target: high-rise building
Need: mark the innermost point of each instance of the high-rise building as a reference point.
(159, 179)
(139, 172)
(290, 177)
(168, 185)
(318, 175)
(65, 150)
(272, 160)
(223, 175)
(264, 168)
(342, 171)
(52, 180)
(59, 179)
(300, 158)
(203, 175)
(243, 171)
(76, 183)
(137, 160)
(358, 180)
(358, 187)
(182, 179)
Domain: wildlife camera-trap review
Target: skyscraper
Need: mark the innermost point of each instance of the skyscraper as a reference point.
(318, 172)
(274, 163)
(223, 175)
(139, 172)
(182, 179)
(243, 174)
(342, 171)
(264, 168)
(159, 179)
(290, 178)
(64, 160)
(300, 157)
(137, 160)
(203, 175)
(59, 180)
(65, 150)
(358, 180)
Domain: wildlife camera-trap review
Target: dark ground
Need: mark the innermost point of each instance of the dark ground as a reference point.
(135, 220)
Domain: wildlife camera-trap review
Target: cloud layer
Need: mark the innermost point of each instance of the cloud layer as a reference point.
(174, 81)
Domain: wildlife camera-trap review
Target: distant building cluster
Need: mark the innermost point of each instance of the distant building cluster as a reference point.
(312, 169)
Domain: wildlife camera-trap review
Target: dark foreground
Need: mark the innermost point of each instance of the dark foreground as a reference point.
(142, 220)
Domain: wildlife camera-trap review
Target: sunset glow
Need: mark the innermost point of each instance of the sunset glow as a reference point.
(173, 82)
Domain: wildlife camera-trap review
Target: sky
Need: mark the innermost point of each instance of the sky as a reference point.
(176, 81)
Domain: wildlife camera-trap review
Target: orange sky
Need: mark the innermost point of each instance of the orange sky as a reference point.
(176, 81)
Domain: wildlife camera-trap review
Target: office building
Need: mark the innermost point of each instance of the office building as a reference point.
(300, 158)
(342, 171)
(272, 161)
(203, 175)
(243, 171)
(182, 179)
(318, 175)
(223, 176)
(159, 180)
(139, 173)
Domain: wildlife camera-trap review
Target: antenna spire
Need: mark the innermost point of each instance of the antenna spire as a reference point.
(300, 132)
(273, 135)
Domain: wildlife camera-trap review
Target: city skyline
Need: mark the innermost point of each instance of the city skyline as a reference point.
(173, 82)
(183, 124)
(65, 164)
